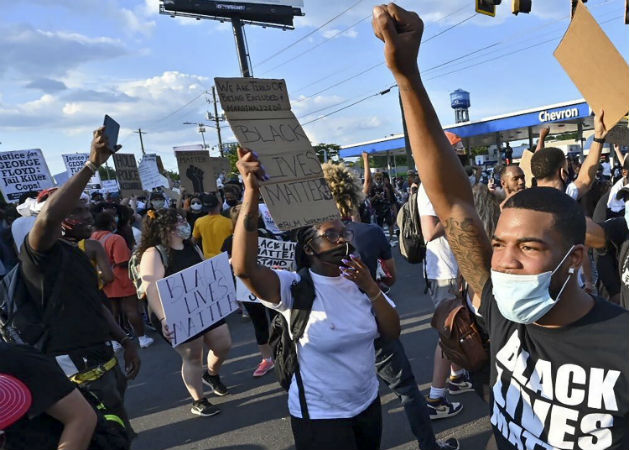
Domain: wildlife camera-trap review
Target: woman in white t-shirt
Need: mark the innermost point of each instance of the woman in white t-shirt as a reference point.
(336, 352)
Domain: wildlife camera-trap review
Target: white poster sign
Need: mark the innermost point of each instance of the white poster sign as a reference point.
(75, 162)
(150, 173)
(197, 297)
(270, 225)
(271, 253)
(23, 171)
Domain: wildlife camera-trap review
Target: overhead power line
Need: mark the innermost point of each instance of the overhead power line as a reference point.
(308, 34)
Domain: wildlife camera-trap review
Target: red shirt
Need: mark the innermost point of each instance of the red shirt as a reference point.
(118, 253)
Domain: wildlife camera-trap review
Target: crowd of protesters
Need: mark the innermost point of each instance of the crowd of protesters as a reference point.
(543, 271)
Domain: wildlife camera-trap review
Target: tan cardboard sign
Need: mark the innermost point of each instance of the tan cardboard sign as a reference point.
(260, 116)
(526, 166)
(127, 174)
(196, 171)
(596, 67)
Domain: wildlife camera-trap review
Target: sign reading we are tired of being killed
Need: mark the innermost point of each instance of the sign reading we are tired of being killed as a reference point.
(260, 116)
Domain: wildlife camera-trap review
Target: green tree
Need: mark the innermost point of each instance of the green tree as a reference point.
(331, 150)
(172, 174)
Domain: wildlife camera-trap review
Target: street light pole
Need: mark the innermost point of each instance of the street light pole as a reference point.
(241, 47)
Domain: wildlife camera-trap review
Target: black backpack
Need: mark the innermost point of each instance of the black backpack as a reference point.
(412, 245)
(23, 319)
(284, 348)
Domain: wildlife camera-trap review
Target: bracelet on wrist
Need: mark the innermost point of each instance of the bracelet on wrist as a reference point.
(90, 165)
(125, 340)
(373, 299)
(599, 140)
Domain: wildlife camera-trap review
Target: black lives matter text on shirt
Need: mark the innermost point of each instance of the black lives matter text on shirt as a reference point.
(564, 388)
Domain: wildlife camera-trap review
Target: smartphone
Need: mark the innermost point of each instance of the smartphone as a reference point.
(111, 131)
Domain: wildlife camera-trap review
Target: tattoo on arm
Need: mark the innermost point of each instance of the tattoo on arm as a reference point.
(472, 251)
(251, 222)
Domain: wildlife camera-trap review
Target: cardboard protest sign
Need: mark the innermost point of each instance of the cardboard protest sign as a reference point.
(196, 172)
(197, 297)
(23, 171)
(260, 116)
(127, 174)
(526, 166)
(604, 83)
(618, 135)
(150, 173)
(271, 253)
(75, 162)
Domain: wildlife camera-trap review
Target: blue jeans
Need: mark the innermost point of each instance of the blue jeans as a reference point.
(393, 367)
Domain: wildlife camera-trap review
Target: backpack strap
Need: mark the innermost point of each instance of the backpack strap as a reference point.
(163, 252)
(303, 294)
(105, 238)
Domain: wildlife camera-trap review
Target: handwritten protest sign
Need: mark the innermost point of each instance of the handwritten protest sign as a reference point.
(150, 173)
(618, 135)
(197, 297)
(23, 171)
(127, 174)
(75, 162)
(260, 116)
(605, 83)
(271, 253)
(196, 171)
(526, 166)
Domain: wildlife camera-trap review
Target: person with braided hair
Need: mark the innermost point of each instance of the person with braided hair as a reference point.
(167, 233)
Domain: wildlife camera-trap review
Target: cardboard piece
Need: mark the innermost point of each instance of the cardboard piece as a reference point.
(271, 253)
(260, 116)
(604, 82)
(196, 171)
(127, 174)
(197, 297)
(150, 173)
(526, 166)
(75, 162)
(22, 171)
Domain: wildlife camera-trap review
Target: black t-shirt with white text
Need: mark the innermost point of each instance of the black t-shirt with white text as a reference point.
(564, 388)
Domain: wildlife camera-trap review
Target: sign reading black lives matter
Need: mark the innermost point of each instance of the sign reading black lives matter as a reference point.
(260, 116)
(271, 253)
(23, 171)
(197, 297)
(196, 170)
(127, 174)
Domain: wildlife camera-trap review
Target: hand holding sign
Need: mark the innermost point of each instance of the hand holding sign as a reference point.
(250, 169)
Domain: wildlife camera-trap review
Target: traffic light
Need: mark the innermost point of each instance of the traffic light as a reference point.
(521, 6)
(487, 7)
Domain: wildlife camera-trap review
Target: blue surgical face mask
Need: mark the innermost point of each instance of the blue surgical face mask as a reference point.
(526, 298)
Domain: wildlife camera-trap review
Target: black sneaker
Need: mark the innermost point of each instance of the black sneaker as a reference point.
(448, 444)
(204, 408)
(215, 383)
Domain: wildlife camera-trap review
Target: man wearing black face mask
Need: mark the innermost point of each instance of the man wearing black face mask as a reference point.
(551, 169)
(58, 274)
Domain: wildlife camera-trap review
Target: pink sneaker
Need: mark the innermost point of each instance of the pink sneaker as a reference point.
(264, 367)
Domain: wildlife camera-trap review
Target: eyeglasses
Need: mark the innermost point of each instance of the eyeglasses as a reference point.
(333, 235)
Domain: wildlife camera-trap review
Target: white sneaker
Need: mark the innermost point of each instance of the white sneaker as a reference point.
(145, 341)
(116, 346)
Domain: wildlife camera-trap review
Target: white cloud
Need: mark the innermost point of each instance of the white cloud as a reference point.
(30, 51)
(332, 32)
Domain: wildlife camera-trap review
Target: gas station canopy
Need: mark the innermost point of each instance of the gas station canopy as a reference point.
(574, 116)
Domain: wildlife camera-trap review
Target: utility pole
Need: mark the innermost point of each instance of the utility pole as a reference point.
(241, 47)
(217, 120)
(140, 133)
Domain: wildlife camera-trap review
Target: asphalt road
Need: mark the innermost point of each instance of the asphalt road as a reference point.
(255, 414)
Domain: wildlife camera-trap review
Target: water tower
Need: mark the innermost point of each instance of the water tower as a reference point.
(460, 102)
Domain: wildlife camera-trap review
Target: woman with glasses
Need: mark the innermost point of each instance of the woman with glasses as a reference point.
(169, 230)
(336, 353)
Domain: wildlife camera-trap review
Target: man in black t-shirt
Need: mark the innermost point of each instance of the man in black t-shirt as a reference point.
(558, 356)
(59, 415)
(60, 277)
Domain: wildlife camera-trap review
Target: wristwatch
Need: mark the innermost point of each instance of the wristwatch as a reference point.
(90, 165)
(599, 140)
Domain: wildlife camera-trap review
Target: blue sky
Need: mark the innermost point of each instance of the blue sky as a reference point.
(66, 63)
